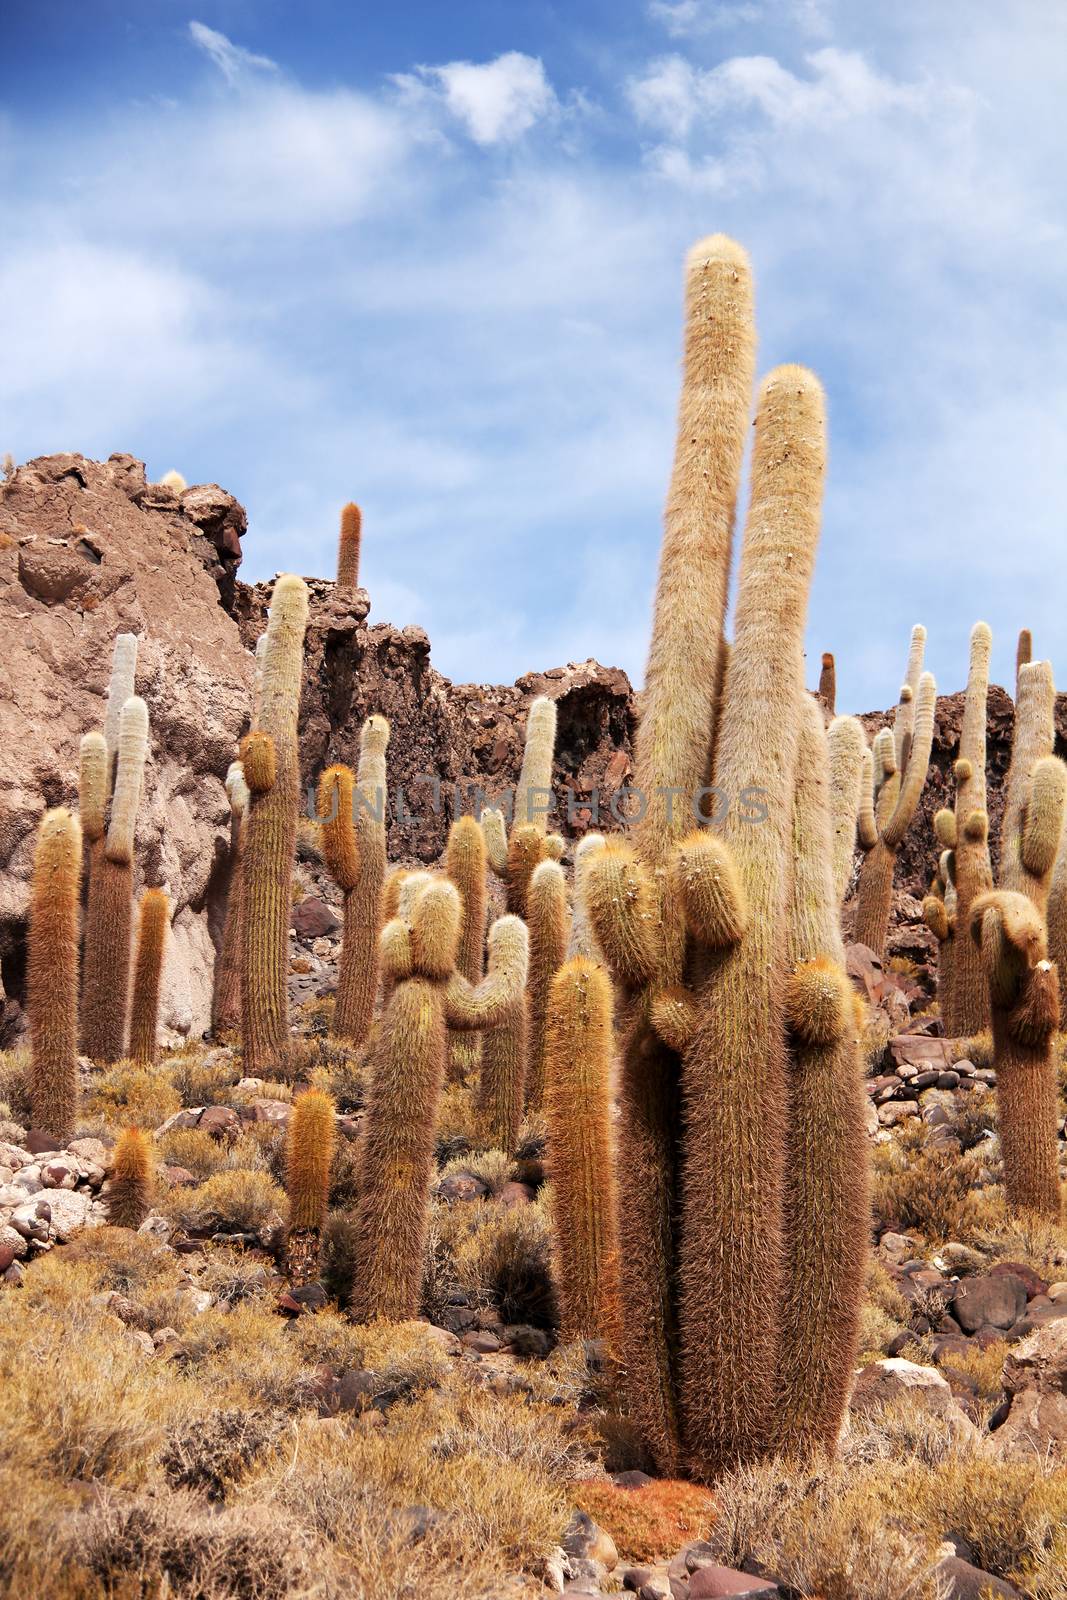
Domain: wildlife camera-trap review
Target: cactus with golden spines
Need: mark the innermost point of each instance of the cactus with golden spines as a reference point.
(846, 746)
(826, 1194)
(466, 864)
(901, 761)
(153, 922)
(52, 975)
(581, 1159)
(427, 993)
(712, 909)
(310, 1140)
(226, 1000)
(354, 842)
(271, 761)
(1024, 999)
(109, 912)
(548, 920)
(514, 854)
(964, 997)
(348, 546)
(129, 1192)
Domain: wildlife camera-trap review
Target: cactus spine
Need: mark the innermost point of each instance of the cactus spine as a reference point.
(901, 764)
(581, 1163)
(355, 844)
(270, 837)
(147, 972)
(130, 1188)
(348, 546)
(308, 1158)
(226, 1004)
(52, 975)
(109, 914)
(826, 1196)
(548, 922)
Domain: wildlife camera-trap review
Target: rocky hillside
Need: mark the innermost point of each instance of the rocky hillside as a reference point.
(89, 549)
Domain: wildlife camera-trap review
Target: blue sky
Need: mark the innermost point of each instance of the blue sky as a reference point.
(428, 256)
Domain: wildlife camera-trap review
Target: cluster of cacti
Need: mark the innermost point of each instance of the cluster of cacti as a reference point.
(742, 1217)
(901, 758)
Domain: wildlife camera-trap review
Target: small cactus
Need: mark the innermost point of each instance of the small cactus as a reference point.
(147, 973)
(348, 546)
(52, 975)
(129, 1197)
(309, 1151)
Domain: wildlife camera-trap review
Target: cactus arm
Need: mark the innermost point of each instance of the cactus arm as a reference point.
(904, 719)
(483, 1005)
(866, 826)
(913, 779)
(92, 785)
(847, 748)
(1024, 654)
(337, 820)
(121, 688)
(496, 841)
(704, 877)
(129, 776)
(674, 1015)
(535, 775)
(548, 923)
(622, 912)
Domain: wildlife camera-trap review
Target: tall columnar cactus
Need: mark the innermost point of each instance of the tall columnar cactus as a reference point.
(581, 1157)
(826, 1194)
(827, 694)
(1009, 926)
(272, 753)
(354, 839)
(583, 940)
(226, 1000)
(309, 1148)
(109, 914)
(900, 776)
(121, 687)
(466, 863)
(129, 1197)
(549, 924)
(1024, 654)
(147, 973)
(846, 749)
(630, 903)
(348, 546)
(427, 993)
(514, 855)
(1024, 996)
(964, 997)
(52, 975)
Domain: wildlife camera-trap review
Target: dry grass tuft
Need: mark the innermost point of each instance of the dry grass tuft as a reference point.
(227, 1202)
(652, 1522)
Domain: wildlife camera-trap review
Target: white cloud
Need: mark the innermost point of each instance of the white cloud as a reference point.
(231, 59)
(683, 18)
(496, 101)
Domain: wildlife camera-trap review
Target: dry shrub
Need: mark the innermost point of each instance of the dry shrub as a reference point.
(196, 1151)
(227, 1202)
(492, 1167)
(458, 1123)
(649, 1523)
(201, 1082)
(14, 1085)
(215, 1452)
(976, 1120)
(1039, 1242)
(233, 1277)
(983, 1368)
(505, 1261)
(340, 1070)
(404, 1357)
(921, 1189)
(340, 1243)
(130, 1096)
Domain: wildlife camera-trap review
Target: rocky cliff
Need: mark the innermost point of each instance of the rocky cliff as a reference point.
(89, 549)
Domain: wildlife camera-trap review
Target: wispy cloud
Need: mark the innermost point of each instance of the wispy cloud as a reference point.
(495, 101)
(232, 60)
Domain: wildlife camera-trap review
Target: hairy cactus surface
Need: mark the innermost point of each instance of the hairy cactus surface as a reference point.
(581, 1158)
(52, 975)
(129, 1198)
(846, 747)
(900, 766)
(270, 831)
(147, 972)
